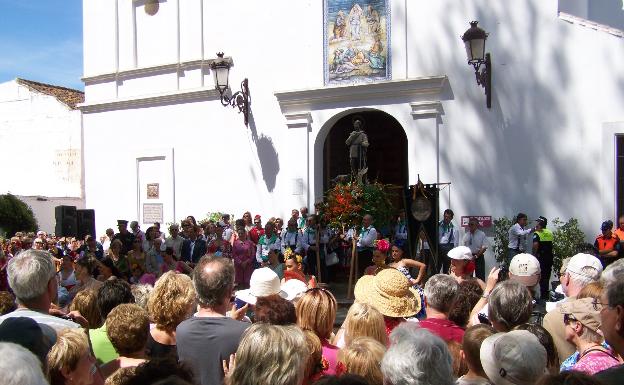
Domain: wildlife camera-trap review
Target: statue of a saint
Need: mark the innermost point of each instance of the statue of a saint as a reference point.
(358, 144)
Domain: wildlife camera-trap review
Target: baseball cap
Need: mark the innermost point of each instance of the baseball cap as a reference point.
(581, 260)
(525, 269)
(460, 252)
(584, 311)
(606, 225)
(542, 220)
(514, 358)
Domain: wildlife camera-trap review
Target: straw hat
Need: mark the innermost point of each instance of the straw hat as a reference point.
(263, 282)
(389, 292)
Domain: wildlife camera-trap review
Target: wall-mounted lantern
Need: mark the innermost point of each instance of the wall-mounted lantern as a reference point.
(221, 70)
(474, 39)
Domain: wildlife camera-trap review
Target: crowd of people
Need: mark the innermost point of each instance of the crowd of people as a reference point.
(247, 304)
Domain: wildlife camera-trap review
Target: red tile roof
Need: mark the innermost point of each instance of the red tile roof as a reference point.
(67, 96)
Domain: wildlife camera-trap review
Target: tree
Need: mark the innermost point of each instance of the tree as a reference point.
(15, 216)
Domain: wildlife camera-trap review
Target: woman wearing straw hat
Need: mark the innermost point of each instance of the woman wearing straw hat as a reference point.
(403, 265)
(389, 292)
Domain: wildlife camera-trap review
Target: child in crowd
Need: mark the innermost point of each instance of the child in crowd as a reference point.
(362, 357)
(471, 346)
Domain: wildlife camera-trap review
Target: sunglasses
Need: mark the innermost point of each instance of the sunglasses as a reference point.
(567, 318)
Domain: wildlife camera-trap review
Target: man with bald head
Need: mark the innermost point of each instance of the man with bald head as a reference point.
(209, 337)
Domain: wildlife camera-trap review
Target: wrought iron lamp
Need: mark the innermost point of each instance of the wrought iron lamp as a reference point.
(221, 70)
(474, 40)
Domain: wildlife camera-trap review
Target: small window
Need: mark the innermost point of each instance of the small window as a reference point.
(619, 175)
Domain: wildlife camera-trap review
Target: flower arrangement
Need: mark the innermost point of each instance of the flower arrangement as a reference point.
(382, 245)
(346, 204)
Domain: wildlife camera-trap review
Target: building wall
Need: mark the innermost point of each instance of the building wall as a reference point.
(41, 150)
(539, 148)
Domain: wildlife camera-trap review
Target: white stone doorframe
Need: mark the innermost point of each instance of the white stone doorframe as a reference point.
(414, 103)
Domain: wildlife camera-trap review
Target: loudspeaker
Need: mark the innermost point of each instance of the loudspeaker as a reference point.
(86, 223)
(66, 221)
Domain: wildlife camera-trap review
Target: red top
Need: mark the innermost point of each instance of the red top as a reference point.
(254, 234)
(443, 328)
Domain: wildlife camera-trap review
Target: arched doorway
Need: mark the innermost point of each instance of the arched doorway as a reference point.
(387, 152)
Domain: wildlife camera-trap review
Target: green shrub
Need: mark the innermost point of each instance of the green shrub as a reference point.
(15, 216)
(568, 237)
(501, 237)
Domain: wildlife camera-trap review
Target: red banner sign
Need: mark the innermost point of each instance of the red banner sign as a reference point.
(484, 220)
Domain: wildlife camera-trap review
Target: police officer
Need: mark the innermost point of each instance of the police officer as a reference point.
(125, 236)
(543, 251)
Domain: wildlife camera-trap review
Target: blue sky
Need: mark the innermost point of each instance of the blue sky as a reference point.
(41, 40)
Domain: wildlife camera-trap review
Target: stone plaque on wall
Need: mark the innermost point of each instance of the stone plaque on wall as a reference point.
(152, 212)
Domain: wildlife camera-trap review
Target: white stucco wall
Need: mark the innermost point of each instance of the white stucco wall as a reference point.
(537, 150)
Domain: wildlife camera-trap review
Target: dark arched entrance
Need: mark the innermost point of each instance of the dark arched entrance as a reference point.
(387, 153)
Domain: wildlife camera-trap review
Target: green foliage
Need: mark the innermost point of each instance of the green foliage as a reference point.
(501, 237)
(213, 217)
(15, 216)
(568, 237)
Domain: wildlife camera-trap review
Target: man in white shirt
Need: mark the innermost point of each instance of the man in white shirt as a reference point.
(448, 239)
(476, 240)
(175, 240)
(365, 243)
(518, 237)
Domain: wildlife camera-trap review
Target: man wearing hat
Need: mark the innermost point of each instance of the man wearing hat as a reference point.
(543, 250)
(525, 269)
(513, 358)
(608, 244)
(582, 320)
(581, 270)
(126, 237)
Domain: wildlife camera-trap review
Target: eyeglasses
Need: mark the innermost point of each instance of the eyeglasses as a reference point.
(599, 305)
(567, 318)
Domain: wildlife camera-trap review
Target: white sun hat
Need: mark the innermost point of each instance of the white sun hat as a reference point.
(263, 282)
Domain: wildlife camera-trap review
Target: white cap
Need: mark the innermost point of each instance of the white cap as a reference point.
(263, 282)
(460, 252)
(514, 358)
(525, 269)
(581, 260)
(294, 288)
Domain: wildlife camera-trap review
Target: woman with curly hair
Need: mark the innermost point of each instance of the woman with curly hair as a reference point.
(171, 302)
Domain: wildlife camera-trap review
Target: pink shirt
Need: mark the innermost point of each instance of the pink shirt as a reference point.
(595, 361)
(330, 353)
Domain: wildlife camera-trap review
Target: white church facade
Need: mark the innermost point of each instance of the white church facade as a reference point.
(158, 144)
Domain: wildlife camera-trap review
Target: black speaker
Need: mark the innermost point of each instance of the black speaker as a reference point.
(66, 221)
(86, 223)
